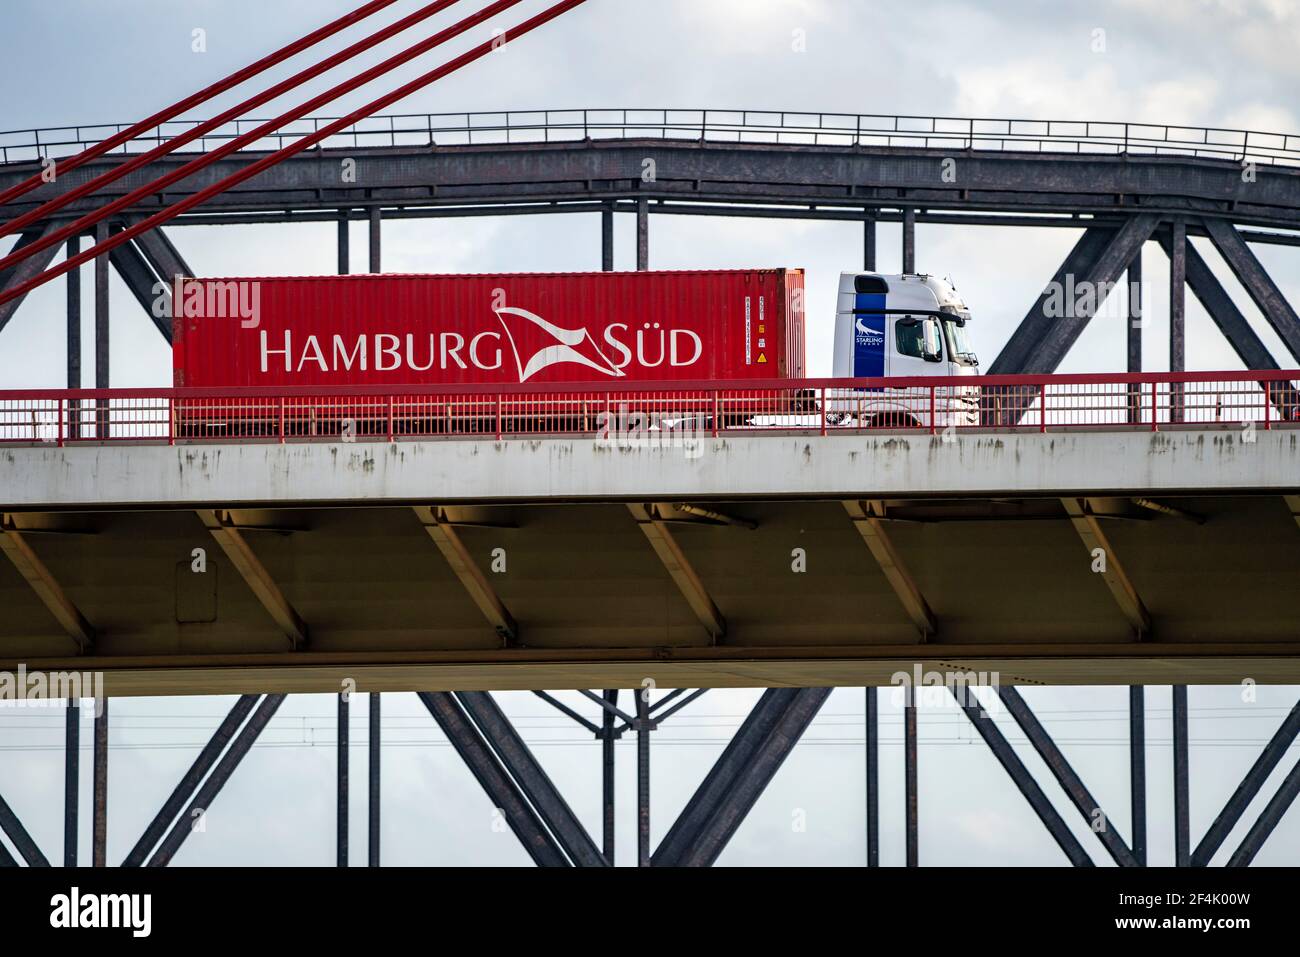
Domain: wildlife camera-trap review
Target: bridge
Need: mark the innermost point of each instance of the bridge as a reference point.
(451, 544)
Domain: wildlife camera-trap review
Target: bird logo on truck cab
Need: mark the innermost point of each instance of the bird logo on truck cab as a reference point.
(869, 335)
(570, 345)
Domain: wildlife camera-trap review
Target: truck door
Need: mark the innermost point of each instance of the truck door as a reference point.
(916, 347)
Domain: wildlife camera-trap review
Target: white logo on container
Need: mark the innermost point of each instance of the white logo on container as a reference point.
(564, 349)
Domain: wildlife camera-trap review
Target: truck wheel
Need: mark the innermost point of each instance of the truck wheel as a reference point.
(893, 420)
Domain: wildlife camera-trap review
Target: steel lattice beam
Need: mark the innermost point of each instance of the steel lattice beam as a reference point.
(791, 174)
(211, 787)
(1048, 351)
(1248, 789)
(518, 760)
(136, 272)
(25, 270)
(739, 777)
(1268, 819)
(1014, 357)
(1258, 284)
(22, 841)
(1011, 762)
(188, 784)
(163, 256)
(493, 778)
(1065, 775)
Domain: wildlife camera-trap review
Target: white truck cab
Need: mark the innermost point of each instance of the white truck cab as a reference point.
(901, 326)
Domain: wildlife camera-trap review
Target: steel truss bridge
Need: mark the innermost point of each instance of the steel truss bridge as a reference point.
(640, 562)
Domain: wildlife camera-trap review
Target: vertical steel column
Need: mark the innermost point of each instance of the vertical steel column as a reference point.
(1135, 313)
(607, 239)
(909, 759)
(1137, 766)
(99, 822)
(642, 234)
(74, 333)
(101, 310)
(1135, 334)
(1182, 817)
(607, 776)
(642, 778)
(374, 777)
(74, 338)
(342, 811)
(345, 246)
(101, 330)
(71, 780)
(1177, 316)
(873, 780)
(869, 244)
(909, 240)
(376, 249)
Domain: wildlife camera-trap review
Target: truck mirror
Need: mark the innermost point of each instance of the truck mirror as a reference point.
(933, 344)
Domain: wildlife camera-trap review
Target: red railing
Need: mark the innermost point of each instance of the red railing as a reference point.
(651, 412)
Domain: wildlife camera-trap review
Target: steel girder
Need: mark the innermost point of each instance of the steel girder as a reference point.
(208, 790)
(1222, 310)
(25, 270)
(493, 777)
(1010, 761)
(728, 172)
(1015, 354)
(135, 270)
(188, 784)
(162, 255)
(1257, 282)
(22, 841)
(1246, 792)
(1065, 775)
(1102, 273)
(739, 777)
(498, 757)
(518, 760)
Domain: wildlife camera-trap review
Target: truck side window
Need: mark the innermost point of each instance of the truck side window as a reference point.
(910, 337)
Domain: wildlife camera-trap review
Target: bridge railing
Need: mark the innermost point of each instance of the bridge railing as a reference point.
(656, 413)
(726, 126)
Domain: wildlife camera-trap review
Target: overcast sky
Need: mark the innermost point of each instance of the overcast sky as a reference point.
(1228, 63)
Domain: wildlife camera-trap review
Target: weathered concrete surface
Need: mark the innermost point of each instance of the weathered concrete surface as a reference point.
(572, 469)
(121, 679)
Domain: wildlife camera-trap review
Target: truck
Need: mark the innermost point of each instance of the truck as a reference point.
(463, 335)
(898, 327)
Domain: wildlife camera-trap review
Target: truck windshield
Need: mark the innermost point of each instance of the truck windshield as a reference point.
(958, 343)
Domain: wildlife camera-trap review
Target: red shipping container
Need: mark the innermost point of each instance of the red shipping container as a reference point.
(488, 329)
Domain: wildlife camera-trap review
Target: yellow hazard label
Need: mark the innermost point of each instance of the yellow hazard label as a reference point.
(762, 358)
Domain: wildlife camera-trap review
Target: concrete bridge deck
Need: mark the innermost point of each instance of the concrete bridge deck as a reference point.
(748, 560)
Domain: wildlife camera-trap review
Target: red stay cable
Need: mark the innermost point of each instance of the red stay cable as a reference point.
(165, 215)
(176, 109)
(190, 135)
(252, 136)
